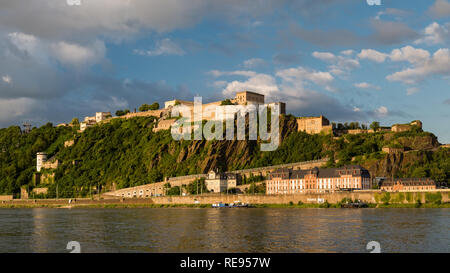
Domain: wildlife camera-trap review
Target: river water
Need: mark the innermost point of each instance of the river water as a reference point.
(224, 230)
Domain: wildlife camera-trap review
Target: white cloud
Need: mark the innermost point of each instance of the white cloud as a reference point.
(220, 84)
(435, 34)
(348, 52)
(372, 55)
(423, 64)
(244, 73)
(7, 79)
(262, 83)
(23, 41)
(29, 46)
(163, 47)
(291, 86)
(301, 75)
(438, 64)
(382, 111)
(44, 52)
(292, 79)
(409, 54)
(324, 56)
(77, 55)
(254, 62)
(393, 12)
(365, 85)
(339, 64)
(412, 90)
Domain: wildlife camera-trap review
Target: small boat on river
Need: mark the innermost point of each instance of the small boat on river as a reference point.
(236, 204)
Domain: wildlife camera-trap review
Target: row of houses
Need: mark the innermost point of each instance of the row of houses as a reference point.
(407, 184)
(320, 180)
(347, 178)
(287, 181)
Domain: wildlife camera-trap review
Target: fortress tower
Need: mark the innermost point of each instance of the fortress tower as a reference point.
(41, 158)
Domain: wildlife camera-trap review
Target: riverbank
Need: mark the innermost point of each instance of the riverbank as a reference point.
(152, 205)
(373, 199)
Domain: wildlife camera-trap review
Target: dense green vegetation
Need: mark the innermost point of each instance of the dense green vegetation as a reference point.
(226, 102)
(253, 178)
(146, 107)
(197, 186)
(120, 113)
(18, 153)
(254, 188)
(125, 152)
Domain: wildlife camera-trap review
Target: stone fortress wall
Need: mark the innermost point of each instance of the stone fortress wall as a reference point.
(314, 125)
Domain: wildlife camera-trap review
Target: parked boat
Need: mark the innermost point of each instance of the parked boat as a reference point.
(355, 205)
(239, 205)
(220, 205)
(236, 204)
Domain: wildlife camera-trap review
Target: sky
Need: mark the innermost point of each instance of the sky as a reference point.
(344, 59)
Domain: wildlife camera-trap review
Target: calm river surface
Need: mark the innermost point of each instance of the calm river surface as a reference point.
(224, 230)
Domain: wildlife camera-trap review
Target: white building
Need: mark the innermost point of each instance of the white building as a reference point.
(220, 182)
(100, 116)
(41, 158)
(90, 119)
(85, 124)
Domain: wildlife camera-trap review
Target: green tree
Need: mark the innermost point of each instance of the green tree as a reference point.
(154, 106)
(438, 174)
(375, 126)
(144, 107)
(226, 102)
(122, 112)
(261, 188)
(197, 186)
(75, 121)
(419, 172)
(174, 191)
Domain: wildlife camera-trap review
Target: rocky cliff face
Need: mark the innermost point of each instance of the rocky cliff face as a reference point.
(223, 155)
(414, 142)
(406, 162)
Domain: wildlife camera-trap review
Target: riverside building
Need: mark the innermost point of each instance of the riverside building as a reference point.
(408, 184)
(288, 181)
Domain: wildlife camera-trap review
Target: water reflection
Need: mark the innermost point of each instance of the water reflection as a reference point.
(224, 230)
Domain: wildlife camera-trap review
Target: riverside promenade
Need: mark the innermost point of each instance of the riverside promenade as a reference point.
(372, 197)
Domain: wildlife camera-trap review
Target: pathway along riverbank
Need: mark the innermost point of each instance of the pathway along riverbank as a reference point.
(440, 199)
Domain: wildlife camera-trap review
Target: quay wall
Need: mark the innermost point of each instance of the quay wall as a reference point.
(372, 196)
(366, 196)
(6, 197)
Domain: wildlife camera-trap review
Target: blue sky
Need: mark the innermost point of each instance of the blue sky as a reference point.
(345, 59)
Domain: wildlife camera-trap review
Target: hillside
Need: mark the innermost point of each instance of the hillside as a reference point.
(126, 152)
